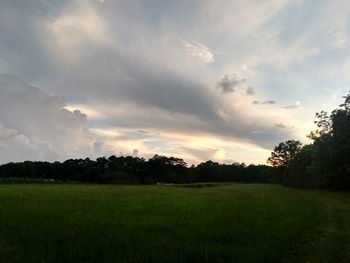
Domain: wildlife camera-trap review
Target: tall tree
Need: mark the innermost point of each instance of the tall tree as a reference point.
(284, 153)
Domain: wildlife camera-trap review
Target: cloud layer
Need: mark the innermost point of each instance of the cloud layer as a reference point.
(222, 80)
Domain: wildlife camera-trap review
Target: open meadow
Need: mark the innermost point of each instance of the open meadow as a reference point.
(212, 223)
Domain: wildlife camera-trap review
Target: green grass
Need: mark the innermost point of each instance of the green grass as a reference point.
(225, 223)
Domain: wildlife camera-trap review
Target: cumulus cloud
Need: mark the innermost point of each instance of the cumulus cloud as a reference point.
(35, 125)
(18, 147)
(229, 83)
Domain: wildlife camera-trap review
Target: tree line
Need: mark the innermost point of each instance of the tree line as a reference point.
(324, 163)
(135, 170)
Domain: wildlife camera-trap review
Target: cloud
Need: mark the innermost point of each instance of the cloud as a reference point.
(297, 105)
(215, 154)
(271, 102)
(281, 126)
(35, 125)
(18, 147)
(124, 66)
(250, 91)
(291, 107)
(199, 51)
(228, 83)
(266, 102)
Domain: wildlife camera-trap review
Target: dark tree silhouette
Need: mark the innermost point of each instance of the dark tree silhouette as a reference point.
(284, 153)
(326, 162)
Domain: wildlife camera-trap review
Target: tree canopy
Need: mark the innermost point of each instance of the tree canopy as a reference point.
(325, 163)
(284, 153)
(135, 170)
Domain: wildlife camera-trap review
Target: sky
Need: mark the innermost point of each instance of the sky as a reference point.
(225, 80)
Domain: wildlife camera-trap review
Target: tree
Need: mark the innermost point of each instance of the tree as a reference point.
(331, 148)
(284, 153)
(298, 172)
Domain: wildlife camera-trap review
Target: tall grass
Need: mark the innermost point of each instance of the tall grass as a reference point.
(228, 223)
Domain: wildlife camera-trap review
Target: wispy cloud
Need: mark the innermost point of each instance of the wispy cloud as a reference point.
(265, 102)
(199, 51)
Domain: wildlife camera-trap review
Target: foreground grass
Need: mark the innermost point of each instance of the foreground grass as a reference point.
(228, 223)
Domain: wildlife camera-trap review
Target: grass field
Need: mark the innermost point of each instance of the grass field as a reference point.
(225, 223)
